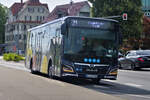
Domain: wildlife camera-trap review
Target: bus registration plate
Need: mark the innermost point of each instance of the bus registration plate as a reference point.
(91, 76)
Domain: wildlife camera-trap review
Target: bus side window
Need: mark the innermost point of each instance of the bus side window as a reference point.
(58, 36)
(31, 39)
(35, 40)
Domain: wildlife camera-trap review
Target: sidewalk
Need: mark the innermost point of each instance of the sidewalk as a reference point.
(11, 64)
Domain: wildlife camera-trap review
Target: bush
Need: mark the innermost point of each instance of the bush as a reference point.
(12, 57)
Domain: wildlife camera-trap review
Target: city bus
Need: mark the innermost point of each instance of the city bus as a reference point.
(78, 47)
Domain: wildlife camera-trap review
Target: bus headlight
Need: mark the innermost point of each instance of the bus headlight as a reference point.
(67, 68)
(113, 72)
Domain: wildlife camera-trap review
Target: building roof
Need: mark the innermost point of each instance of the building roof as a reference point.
(69, 9)
(37, 22)
(16, 7)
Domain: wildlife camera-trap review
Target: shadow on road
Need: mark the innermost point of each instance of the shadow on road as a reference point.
(108, 87)
(119, 89)
(104, 86)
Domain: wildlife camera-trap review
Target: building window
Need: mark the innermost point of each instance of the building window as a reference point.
(30, 26)
(85, 14)
(24, 37)
(41, 10)
(25, 18)
(30, 18)
(17, 27)
(59, 15)
(31, 10)
(13, 37)
(37, 18)
(25, 27)
(19, 36)
(40, 18)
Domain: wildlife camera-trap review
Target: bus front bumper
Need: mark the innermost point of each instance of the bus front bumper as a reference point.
(98, 72)
(90, 76)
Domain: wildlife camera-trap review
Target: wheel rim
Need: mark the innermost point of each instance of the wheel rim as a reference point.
(132, 67)
(50, 72)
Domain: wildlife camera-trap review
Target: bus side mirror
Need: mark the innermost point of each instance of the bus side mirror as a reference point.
(63, 29)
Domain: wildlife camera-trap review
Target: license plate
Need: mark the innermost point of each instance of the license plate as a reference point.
(91, 76)
(91, 70)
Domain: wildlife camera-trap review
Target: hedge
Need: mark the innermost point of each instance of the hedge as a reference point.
(12, 57)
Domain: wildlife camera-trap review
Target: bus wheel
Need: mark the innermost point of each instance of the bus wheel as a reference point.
(96, 81)
(133, 66)
(31, 67)
(50, 73)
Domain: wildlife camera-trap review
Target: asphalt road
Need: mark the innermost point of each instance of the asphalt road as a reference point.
(22, 85)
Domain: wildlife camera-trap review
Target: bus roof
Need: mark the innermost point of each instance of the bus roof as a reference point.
(64, 18)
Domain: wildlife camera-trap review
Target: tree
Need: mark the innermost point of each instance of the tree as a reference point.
(3, 11)
(145, 41)
(132, 28)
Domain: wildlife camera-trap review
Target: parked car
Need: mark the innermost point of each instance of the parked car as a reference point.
(135, 59)
(120, 55)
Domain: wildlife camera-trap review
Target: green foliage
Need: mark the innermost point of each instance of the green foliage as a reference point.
(12, 57)
(132, 28)
(3, 11)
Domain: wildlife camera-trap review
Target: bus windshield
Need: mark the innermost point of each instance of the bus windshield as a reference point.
(90, 41)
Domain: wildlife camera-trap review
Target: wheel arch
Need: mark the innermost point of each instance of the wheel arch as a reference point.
(31, 63)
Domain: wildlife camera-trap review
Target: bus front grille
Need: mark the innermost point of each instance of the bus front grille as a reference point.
(85, 69)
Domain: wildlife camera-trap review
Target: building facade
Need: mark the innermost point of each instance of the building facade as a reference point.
(72, 9)
(21, 17)
(146, 7)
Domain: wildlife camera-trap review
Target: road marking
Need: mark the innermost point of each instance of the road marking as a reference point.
(132, 84)
(129, 84)
(139, 96)
(114, 81)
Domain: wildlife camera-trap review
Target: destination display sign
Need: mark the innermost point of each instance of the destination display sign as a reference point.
(102, 24)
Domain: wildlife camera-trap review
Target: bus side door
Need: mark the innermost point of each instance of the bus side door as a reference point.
(57, 52)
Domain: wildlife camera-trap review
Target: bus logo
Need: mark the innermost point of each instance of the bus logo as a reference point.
(92, 66)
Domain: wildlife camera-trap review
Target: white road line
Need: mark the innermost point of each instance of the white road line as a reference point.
(139, 96)
(114, 81)
(132, 84)
(129, 84)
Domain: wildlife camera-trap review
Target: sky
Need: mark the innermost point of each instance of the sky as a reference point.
(51, 3)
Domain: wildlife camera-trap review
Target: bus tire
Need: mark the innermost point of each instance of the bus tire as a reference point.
(50, 72)
(31, 67)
